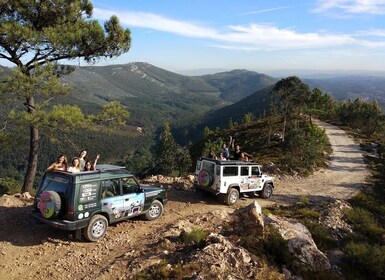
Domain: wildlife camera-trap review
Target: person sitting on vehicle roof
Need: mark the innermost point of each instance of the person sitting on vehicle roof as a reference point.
(89, 166)
(225, 152)
(59, 164)
(238, 154)
(212, 155)
(75, 166)
(82, 159)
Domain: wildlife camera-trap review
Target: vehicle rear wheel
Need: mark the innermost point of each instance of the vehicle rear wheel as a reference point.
(231, 197)
(267, 191)
(96, 229)
(155, 211)
(49, 204)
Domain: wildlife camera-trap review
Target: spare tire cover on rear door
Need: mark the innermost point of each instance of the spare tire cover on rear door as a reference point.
(205, 178)
(49, 204)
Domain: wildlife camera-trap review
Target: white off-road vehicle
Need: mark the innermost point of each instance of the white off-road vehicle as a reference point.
(229, 178)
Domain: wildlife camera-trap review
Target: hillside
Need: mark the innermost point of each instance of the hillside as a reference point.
(256, 103)
(237, 84)
(151, 94)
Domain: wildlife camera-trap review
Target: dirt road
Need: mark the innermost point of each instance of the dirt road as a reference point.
(29, 250)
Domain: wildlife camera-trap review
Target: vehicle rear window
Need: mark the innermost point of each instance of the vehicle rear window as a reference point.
(56, 183)
(209, 166)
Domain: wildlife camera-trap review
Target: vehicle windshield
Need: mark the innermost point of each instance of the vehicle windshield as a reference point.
(55, 182)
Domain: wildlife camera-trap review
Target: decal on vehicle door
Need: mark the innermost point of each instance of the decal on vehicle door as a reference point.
(124, 206)
(250, 183)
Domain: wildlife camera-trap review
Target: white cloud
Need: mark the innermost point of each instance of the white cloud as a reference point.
(371, 32)
(265, 10)
(241, 37)
(338, 7)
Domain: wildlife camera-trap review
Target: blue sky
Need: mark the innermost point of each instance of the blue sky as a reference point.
(251, 34)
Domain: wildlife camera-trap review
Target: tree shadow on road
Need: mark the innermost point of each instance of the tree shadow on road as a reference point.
(19, 229)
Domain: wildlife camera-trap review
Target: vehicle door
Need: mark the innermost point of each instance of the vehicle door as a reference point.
(244, 178)
(133, 197)
(111, 198)
(255, 178)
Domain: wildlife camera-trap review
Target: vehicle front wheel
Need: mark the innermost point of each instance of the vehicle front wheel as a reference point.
(267, 191)
(96, 229)
(231, 197)
(155, 211)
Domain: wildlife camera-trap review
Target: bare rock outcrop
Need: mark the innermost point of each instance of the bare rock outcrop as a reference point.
(332, 218)
(300, 243)
(225, 260)
(170, 183)
(249, 220)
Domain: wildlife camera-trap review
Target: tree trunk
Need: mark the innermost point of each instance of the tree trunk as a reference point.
(33, 150)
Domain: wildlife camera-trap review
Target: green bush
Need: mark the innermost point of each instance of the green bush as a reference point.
(374, 203)
(308, 213)
(321, 235)
(9, 186)
(365, 224)
(364, 261)
(196, 236)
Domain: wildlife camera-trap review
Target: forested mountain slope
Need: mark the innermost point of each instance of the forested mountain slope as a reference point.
(256, 103)
(151, 94)
(237, 84)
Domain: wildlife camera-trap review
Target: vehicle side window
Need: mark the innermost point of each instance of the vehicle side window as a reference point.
(129, 185)
(255, 171)
(110, 188)
(230, 171)
(244, 171)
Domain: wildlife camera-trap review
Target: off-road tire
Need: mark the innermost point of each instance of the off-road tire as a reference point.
(155, 211)
(231, 197)
(267, 191)
(96, 229)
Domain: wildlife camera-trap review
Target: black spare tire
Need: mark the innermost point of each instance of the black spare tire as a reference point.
(49, 204)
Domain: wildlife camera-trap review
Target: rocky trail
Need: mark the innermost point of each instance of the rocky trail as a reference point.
(29, 250)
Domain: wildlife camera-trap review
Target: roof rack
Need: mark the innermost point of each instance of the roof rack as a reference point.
(109, 167)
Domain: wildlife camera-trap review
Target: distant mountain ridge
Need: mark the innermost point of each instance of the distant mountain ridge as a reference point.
(153, 94)
(236, 84)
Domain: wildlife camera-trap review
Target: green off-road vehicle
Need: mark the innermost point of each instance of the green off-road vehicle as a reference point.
(87, 202)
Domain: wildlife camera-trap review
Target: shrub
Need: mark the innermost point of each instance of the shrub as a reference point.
(162, 271)
(365, 224)
(308, 213)
(9, 186)
(196, 236)
(364, 261)
(321, 235)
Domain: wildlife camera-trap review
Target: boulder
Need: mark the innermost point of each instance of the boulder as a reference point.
(249, 220)
(300, 243)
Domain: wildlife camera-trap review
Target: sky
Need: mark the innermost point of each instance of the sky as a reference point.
(181, 35)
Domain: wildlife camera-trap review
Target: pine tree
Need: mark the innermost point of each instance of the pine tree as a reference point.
(35, 35)
(167, 151)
